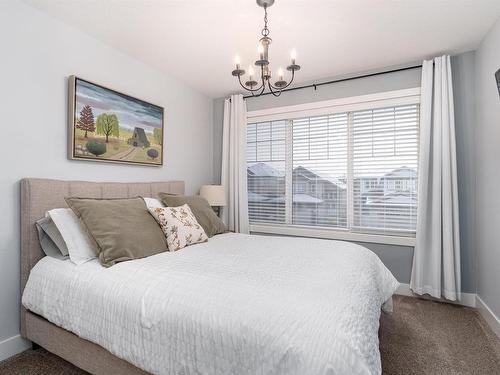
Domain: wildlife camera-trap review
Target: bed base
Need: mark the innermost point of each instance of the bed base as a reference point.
(80, 352)
(37, 197)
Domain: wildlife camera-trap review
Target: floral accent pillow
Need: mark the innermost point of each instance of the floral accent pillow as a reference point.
(179, 226)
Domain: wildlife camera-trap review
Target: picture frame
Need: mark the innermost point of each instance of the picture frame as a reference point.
(106, 125)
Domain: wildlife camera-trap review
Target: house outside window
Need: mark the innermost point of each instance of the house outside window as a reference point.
(341, 168)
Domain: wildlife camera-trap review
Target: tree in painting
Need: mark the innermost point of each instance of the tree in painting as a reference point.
(96, 148)
(86, 120)
(107, 125)
(152, 153)
(158, 136)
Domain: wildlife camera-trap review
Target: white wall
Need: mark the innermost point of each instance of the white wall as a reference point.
(487, 128)
(38, 53)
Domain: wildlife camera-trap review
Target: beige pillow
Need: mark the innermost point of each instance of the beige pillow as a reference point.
(122, 228)
(179, 225)
(203, 212)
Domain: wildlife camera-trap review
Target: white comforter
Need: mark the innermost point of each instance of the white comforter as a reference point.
(237, 304)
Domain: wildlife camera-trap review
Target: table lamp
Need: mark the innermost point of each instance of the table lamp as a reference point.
(215, 195)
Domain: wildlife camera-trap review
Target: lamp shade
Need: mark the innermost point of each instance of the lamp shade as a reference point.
(214, 194)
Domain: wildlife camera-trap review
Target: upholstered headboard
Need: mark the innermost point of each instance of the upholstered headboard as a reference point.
(40, 195)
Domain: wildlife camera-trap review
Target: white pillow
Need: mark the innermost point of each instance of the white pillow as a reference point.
(153, 202)
(179, 226)
(81, 247)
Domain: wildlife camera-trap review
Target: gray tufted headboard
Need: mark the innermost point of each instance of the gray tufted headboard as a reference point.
(40, 195)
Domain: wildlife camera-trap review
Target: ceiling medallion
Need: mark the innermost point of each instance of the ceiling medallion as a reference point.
(258, 88)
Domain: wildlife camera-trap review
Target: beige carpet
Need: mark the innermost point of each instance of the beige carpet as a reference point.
(426, 337)
(420, 337)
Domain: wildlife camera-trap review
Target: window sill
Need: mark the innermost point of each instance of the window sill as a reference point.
(331, 234)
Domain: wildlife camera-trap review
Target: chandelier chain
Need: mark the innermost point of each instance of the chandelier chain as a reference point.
(265, 30)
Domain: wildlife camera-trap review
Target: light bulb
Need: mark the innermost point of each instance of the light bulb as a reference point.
(237, 60)
(260, 48)
(280, 74)
(250, 72)
(293, 55)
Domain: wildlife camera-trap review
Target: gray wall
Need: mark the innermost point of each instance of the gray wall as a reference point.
(218, 117)
(39, 52)
(387, 82)
(462, 67)
(487, 141)
(397, 258)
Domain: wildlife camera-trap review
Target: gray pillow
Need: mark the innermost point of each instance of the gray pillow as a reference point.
(122, 228)
(50, 238)
(203, 212)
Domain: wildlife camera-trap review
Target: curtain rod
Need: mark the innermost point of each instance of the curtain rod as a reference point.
(316, 85)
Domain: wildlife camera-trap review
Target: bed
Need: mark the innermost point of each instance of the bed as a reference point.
(238, 303)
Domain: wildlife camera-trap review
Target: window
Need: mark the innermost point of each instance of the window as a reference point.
(266, 171)
(350, 168)
(319, 159)
(299, 187)
(385, 149)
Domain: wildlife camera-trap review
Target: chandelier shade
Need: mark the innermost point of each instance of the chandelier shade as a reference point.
(257, 85)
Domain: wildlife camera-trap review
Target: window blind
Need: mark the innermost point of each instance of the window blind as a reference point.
(384, 169)
(319, 147)
(266, 171)
(353, 171)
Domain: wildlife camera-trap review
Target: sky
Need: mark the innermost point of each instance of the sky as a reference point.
(131, 112)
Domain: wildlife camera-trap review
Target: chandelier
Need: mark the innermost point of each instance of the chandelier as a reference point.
(258, 88)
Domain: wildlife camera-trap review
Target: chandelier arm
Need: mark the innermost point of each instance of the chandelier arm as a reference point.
(263, 80)
(275, 93)
(284, 87)
(261, 91)
(263, 87)
(291, 80)
(272, 86)
(246, 88)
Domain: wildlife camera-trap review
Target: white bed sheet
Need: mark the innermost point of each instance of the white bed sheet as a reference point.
(237, 304)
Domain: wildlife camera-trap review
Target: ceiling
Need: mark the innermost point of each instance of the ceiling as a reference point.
(196, 40)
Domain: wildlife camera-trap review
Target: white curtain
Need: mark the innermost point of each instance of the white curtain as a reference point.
(436, 260)
(234, 168)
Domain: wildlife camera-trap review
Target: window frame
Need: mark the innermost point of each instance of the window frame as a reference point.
(330, 107)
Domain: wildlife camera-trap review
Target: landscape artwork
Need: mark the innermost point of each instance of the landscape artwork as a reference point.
(106, 125)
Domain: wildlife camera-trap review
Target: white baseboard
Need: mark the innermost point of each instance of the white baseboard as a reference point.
(488, 315)
(13, 345)
(466, 299)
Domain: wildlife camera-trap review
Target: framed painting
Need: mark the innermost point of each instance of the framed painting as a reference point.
(109, 126)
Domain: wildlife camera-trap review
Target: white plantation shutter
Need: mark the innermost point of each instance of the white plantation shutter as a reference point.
(384, 169)
(353, 171)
